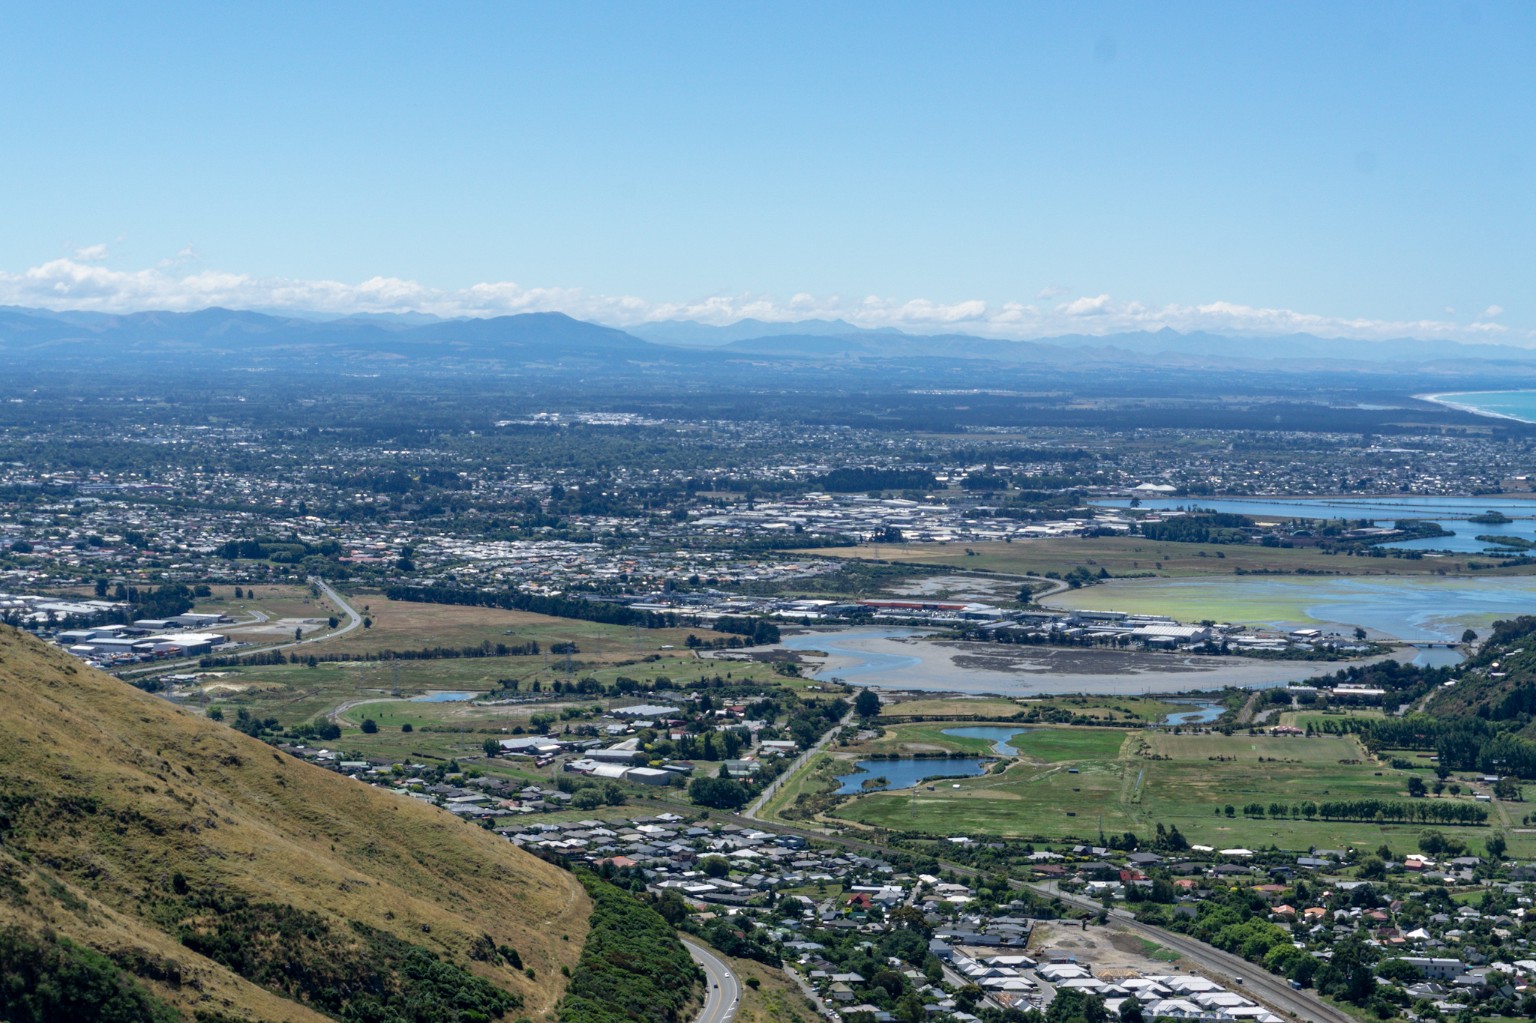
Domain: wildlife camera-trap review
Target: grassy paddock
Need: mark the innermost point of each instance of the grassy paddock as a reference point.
(1316, 718)
(951, 707)
(926, 737)
(407, 625)
(1127, 555)
(1108, 708)
(296, 692)
(1112, 709)
(818, 775)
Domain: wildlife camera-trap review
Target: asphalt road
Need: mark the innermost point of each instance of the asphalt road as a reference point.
(354, 621)
(789, 772)
(723, 995)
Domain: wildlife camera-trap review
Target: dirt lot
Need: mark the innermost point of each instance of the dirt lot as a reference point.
(1112, 952)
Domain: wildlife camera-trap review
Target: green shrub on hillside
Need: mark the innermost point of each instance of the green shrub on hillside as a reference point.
(46, 980)
(633, 968)
(364, 975)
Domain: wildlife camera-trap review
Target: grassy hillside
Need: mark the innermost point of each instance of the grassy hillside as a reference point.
(235, 881)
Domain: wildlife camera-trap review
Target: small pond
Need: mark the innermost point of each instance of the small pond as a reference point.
(1200, 712)
(903, 774)
(1437, 657)
(444, 697)
(998, 737)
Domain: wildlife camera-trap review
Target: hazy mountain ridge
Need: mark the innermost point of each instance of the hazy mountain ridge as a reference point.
(689, 333)
(244, 339)
(1198, 348)
(154, 836)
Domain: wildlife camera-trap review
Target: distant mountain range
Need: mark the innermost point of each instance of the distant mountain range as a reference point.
(837, 339)
(239, 337)
(41, 339)
(703, 335)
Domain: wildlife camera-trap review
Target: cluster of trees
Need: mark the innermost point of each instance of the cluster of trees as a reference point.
(719, 793)
(1235, 922)
(862, 480)
(164, 602)
(725, 744)
(809, 720)
(1471, 743)
(740, 937)
(878, 959)
(1201, 527)
(1443, 812)
(435, 653)
(693, 642)
(633, 969)
(759, 630)
(589, 793)
(516, 600)
(47, 979)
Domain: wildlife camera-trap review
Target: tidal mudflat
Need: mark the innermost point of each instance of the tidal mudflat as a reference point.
(895, 658)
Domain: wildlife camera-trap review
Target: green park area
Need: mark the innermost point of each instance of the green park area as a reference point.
(1225, 791)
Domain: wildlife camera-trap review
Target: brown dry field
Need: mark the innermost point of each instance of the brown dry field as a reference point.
(406, 625)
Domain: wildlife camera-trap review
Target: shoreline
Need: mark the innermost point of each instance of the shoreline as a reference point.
(1441, 399)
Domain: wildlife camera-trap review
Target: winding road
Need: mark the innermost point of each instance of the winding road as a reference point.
(723, 995)
(354, 621)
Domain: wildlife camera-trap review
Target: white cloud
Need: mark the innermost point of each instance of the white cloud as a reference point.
(92, 253)
(1096, 306)
(174, 284)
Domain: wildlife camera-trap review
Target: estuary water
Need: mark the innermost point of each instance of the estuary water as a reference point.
(1413, 608)
(1452, 513)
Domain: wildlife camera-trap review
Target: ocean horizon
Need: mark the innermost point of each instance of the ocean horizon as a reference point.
(1517, 405)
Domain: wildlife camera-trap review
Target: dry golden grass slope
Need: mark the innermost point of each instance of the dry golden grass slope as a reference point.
(106, 794)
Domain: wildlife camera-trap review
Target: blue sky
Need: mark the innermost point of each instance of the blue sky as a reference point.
(1011, 168)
